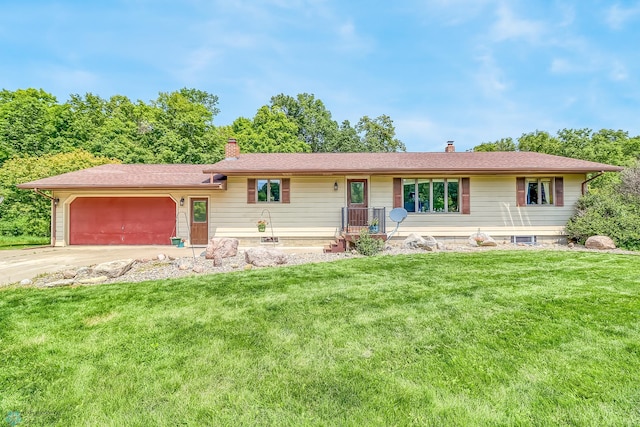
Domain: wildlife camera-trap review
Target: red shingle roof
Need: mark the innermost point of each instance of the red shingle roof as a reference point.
(198, 176)
(403, 163)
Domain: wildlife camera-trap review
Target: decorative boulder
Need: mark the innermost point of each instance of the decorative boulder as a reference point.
(481, 239)
(113, 269)
(222, 247)
(69, 274)
(264, 257)
(600, 242)
(415, 241)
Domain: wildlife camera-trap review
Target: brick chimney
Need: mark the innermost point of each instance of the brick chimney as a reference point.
(450, 147)
(231, 149)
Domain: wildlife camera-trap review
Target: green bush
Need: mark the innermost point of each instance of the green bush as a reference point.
(367, 245)
(607, 213)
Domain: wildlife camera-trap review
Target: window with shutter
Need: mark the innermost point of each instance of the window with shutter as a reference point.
(264, 190)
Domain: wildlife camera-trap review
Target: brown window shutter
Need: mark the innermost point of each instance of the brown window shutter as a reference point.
(251, 190)
(286, 190)
(559, 187)
(466, 205)
(397, 192)
(521, 199)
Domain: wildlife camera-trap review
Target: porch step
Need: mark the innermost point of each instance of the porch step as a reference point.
(339, 245)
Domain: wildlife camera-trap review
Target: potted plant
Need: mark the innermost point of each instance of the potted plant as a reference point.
(262, 225)
(373, 225)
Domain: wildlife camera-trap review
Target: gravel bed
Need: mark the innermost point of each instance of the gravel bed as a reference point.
(163, 267)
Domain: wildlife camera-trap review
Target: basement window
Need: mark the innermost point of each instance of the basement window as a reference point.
(527, 240)
(269, 239)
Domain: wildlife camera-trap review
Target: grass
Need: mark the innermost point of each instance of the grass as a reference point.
(486, 338)
(20, 242)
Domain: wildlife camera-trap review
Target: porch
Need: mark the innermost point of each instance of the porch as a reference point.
(356, 219)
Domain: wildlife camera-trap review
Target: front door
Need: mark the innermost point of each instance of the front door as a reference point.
(199, 221)
(358, 203)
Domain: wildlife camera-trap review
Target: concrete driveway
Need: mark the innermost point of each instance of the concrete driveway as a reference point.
(16, 265)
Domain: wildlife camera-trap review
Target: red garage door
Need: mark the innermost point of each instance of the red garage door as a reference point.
(122, 221)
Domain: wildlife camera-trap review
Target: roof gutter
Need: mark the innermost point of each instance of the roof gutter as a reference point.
(586, 182)
(54, 205)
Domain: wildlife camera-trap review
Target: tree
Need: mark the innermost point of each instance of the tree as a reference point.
(26, 122)
(503, 144)
(270, 131)
(315, 125)
(539, 142)
(181, 120)
(346, 140)
(378, 135)
(630, 181)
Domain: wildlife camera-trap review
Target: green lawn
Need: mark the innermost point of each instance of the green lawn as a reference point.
(484, 338)
(19, 242)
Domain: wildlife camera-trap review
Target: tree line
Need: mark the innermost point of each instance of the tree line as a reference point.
(41, 137)
(177, 127)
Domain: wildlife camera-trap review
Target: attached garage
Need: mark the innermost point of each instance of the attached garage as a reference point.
(122, 220)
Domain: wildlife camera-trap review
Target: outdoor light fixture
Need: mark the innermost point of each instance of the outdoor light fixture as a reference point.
(182, 201)
(56, 201)
(335, 186)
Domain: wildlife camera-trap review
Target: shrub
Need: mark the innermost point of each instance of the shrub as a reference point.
(367, 245)
(607, 213)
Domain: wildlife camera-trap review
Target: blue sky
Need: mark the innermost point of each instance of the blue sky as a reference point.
(471, 71)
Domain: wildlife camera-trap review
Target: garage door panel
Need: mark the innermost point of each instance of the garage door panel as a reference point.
(122, 220)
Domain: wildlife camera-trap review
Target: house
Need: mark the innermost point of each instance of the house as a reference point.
(309, 198)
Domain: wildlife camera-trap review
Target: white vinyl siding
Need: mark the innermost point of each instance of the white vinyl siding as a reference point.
(315, 207)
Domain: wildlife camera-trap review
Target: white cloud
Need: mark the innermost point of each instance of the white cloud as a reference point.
(619, 71)
(349, 40)
(454, 12)
(562, 66)
(508, 26)
(490, 77)
(617, 16)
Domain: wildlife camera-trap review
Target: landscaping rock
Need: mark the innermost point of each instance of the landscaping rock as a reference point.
(415, 241)
(481, 239)
(264, 257)
(69, 274)
(55, 284)
(26, 282)
(223, 247)
(198, 269)
(83, 271)
(600, 242)
(114, 268)
(183, 265)
(93, 280)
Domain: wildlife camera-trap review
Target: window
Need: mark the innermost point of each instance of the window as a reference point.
(199, 211)
(540, 191)
(356, 192)
(268, 190)
(431, 195)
